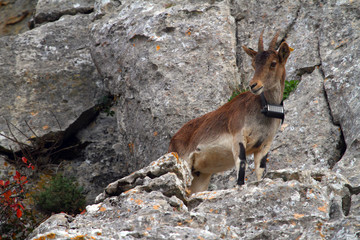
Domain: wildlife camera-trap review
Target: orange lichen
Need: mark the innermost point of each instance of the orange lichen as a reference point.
(323, 208)
(297, 216)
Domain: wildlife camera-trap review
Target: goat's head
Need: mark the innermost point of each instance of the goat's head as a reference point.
(269, 65)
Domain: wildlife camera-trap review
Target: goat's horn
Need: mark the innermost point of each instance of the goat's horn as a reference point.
(261, 43)
(272, 44)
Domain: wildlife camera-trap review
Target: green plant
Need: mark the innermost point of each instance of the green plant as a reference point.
(289, 87)
(236, 92)
(63, 194)
(105, 103)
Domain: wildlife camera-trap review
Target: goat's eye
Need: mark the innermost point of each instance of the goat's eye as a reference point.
(273, 65)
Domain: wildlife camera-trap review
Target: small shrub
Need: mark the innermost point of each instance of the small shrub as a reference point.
(105, 103)
(63, 194)
(289, 87)
(236, 92)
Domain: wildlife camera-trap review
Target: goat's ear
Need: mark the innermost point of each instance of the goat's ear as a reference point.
(252, 53)
(284, 52)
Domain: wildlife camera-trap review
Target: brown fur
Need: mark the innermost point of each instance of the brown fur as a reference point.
(210, 143)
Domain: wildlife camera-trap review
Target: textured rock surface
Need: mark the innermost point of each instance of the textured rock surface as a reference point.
(52, 10)
(15, 15)
(341, 60)
(168, 62)
(47, 78)
(287, 205)
(99, 163)
(308, 138)
(174, 62)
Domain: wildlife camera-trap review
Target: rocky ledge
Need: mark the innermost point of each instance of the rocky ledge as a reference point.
(153, 203)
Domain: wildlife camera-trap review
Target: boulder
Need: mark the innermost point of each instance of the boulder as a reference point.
(48, 81)
(175, 61)
(308, 138)
(341, 65)
(289, 204)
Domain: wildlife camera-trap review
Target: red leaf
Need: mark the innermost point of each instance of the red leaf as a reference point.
(19, 213)
(24, 159)
(7, 183)
(7, 195)
(32, 167)
(2, 182)
(17, 176)
(23, 178)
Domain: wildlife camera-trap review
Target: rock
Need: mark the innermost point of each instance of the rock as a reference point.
(48, 80)
(52, 10)
(101, 7)
(341, 65)
(99, 162)
(174, 62)
(15, 15)
(308, 138)
(306, 56)
(161, 175)
(289, 204)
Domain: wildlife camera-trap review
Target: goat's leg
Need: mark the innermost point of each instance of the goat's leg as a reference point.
(200, 182)
(260, 159)
(241, 164)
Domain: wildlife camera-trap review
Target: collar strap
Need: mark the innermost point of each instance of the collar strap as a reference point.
(272, 110)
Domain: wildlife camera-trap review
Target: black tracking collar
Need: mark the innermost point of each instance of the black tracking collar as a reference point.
(272, 110)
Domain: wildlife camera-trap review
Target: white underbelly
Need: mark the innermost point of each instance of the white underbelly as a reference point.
(215, 156)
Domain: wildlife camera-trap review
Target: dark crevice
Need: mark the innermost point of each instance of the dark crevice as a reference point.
(290, 27)
(346, 204)
(46, 17)
(139, 38)
(341, 146)
(353, 190)
(54, 146)
(306, 70)
(238, 57)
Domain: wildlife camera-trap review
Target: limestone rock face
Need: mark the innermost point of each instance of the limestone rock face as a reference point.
(173, 62)
(308, 204)
(308, 138)
(162, 63)
(42, 71)
(340, 60)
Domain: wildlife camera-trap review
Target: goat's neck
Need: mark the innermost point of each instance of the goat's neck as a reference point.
(274, 95)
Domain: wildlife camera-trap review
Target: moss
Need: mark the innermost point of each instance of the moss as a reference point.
(62, 194)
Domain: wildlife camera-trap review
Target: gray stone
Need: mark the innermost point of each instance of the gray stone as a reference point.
(308, 138)
(174, 62)
(289, 204)
(52, 10)
(161, 175)
(99, 162)
(48, 79)
(340, 60)
(15, 15)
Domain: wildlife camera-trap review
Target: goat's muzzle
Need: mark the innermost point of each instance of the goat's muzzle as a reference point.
(256, 88)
